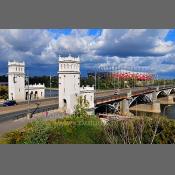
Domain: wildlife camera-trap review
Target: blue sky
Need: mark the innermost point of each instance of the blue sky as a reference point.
(136, 49)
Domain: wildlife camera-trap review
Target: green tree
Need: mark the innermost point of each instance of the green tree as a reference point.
(3, 92)
(81, 107)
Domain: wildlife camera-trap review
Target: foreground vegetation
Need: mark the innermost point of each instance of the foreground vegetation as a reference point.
(67, 130)
(81, 128)
(90, 130)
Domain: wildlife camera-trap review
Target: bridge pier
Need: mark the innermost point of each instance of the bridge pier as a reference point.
(124, 104)
(124, 107)
(171, 98)
(155, 107)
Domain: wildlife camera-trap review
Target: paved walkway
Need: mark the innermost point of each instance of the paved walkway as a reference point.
(11, 125)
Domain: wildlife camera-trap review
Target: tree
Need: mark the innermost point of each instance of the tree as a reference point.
(3, 92)
(81, 107)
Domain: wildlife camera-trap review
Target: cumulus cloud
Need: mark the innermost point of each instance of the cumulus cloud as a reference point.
(77, 43)
(133, 42)
(146, 48)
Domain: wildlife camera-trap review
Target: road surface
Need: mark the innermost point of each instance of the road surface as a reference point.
(24, 106)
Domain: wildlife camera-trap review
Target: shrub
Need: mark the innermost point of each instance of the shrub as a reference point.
(143, 130)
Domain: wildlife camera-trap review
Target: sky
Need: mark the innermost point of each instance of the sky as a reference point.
(151, 50)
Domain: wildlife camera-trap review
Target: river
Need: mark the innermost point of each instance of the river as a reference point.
(168, 111)
(52, 93)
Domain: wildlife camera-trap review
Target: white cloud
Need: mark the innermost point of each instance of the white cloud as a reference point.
(133, 42)
(23, 44)
(145, 48)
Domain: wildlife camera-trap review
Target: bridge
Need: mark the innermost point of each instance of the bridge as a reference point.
(124, 101)
(128, 98)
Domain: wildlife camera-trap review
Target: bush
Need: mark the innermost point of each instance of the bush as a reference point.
(143, 130)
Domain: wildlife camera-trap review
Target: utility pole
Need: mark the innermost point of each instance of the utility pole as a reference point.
(50, 84)
(28, 96)
(95, 81)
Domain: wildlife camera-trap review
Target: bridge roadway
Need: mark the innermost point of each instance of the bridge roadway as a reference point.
(21, 109)
(101, 97)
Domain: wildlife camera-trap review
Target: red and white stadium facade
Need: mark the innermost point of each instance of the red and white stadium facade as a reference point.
(125, 75)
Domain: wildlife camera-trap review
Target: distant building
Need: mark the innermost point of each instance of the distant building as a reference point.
(123, 74)
(17, 88)
(69, 85)
(141, 76)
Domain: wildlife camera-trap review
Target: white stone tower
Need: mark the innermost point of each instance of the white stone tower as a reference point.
(69, 83)
(16, 81)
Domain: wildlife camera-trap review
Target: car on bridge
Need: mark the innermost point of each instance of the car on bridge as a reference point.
(9, 103)
(116, 93)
